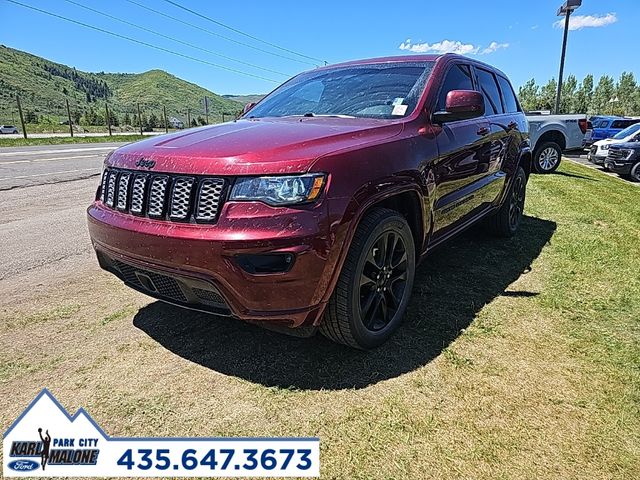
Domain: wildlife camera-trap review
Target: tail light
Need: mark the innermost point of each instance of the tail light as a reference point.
(582, 123)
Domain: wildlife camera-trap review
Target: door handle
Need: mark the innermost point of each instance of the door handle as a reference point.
(483, 131)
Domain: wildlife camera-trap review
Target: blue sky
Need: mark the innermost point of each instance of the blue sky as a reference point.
(517, 36)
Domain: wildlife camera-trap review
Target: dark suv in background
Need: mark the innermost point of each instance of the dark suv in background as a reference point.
(624, 159)
(313, 210)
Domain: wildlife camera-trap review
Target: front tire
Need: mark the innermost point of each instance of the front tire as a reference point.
(547, 157)
(375, 283)
(635, 173)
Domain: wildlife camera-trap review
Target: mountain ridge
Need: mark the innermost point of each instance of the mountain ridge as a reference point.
(44, 87)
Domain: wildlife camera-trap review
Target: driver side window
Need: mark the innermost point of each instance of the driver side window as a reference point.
(458, 78)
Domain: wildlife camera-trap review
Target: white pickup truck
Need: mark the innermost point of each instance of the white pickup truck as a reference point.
(550, 135)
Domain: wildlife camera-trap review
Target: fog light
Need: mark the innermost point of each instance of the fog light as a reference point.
(267, 263)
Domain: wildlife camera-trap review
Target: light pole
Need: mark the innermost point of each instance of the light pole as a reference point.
(612, 101)
(566, 9)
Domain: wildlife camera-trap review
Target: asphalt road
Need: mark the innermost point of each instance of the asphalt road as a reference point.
(28, 166)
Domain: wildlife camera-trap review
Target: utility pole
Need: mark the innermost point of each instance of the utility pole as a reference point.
(24, 129)
(206, 110)
(69, 117)
(139, 119)
(106, 109)
(188, 118)
(565, 9)
(166, 125)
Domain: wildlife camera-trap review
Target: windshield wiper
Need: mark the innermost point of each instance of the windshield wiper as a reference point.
(311, 114)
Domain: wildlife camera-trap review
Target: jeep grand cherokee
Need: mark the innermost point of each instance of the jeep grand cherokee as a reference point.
(312, 210)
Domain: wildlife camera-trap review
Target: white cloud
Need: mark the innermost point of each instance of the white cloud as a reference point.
(450, 46)
(445, 46)
(493, 46)
(534, 27)
(578, 22)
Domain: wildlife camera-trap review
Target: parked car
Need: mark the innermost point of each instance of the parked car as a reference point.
(551, 135)
(607, 127)
(599, 150)
(8, 129)
(313, 210)
(624, 159)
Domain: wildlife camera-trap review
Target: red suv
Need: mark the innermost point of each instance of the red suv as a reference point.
(313, 209)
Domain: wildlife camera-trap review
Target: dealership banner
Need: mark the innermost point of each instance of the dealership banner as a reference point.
(45, 441)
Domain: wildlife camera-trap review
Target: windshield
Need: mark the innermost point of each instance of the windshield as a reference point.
(627, 131)
(385, 90)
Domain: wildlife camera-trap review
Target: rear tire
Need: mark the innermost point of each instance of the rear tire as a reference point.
(547, 157)
(506, 221)
(375, 283)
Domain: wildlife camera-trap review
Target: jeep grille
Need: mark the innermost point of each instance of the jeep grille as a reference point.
(162, 196)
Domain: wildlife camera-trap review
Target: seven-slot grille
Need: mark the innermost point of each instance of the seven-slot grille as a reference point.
(163, 196)
(617, 154)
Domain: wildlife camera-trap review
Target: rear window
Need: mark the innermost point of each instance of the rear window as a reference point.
(602, 124)
(510, 102)
(489, 89)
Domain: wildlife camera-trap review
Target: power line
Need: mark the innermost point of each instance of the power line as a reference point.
(241, 32)
(174, 39)
(215, 34)
(162, 49)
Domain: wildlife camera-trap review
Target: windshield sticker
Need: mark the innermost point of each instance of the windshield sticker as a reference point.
(399, 110)
(397, 101)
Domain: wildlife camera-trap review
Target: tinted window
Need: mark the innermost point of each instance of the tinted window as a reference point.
(489, 89)
(458, 78)
(603, 124)
(623, 123)
(509, 97)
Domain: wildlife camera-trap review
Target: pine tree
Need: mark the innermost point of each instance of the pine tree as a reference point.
(548, 95)
(153, 120)
(568, 96)
(626, 92)
(604, 92)
(584, 95)
(528, 95)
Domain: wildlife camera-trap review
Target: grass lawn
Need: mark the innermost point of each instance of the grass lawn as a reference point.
(518, 359)
(21, 142)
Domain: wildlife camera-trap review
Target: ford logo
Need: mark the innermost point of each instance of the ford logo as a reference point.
(142, 163)
(23, 465)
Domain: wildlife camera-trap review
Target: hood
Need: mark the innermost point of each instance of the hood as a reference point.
(253, 147)
(627, 146)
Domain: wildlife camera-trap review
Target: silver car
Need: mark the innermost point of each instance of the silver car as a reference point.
(8, 129)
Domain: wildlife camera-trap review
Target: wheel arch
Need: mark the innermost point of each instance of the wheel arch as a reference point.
(552, 135)
(407, 199)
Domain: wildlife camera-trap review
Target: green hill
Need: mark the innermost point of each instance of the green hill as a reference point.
(44, 86)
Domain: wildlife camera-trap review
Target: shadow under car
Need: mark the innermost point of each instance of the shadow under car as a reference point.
(453, 283)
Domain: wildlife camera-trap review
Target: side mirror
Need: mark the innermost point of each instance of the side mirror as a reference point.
(248, 107)
(461, 105)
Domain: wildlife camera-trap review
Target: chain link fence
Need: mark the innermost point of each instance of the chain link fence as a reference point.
(30, 116)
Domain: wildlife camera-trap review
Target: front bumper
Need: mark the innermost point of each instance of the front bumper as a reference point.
(621, 168)
(201, 261)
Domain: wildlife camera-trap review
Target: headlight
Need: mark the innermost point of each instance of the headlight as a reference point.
(605, 146)
(279, 190)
